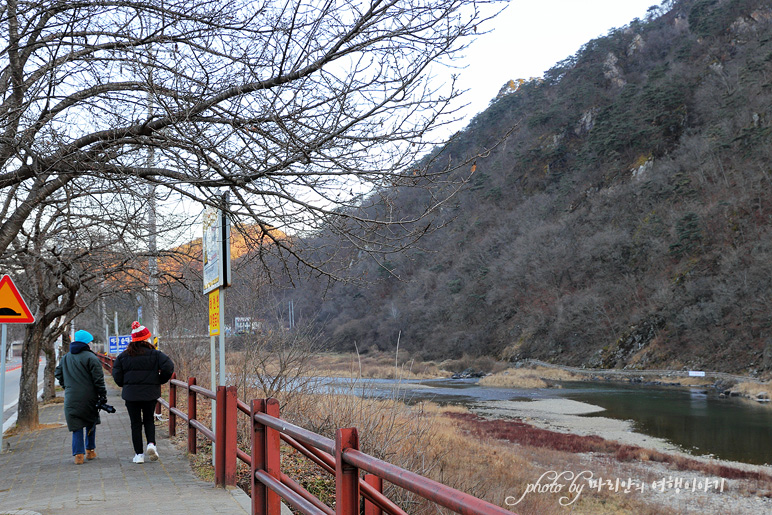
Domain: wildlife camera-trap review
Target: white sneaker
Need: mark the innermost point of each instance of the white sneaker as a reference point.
(139, 458)
(151, 452)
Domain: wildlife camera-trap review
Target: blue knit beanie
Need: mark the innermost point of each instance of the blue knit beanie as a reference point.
(83, 336)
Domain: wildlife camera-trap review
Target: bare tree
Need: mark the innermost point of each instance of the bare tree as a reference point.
(67, 259)
(277, 362)
(304, 110)
(298, 108)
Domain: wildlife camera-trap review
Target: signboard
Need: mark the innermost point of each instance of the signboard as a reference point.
(118, 344)
(13, 309)
(216, 247)
(243, 324)
(214, 312)
(696, 373)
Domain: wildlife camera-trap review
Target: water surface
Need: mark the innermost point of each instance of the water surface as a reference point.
(696, 420)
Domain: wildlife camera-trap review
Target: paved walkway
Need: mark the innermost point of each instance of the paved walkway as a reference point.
(38, 475)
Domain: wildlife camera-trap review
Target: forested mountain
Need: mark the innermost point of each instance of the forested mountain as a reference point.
(625, 222)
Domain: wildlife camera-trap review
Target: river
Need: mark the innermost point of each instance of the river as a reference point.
(694, 419)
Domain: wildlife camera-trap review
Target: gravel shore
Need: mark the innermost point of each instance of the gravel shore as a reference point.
(563, 415)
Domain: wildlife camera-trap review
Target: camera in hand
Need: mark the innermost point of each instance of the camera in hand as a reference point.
(102, 405)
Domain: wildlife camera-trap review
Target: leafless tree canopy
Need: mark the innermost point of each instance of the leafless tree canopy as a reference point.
(285, 104)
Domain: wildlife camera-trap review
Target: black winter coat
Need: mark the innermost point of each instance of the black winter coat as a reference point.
(141, 376)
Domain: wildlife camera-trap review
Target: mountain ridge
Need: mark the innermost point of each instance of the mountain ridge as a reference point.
(624, 223)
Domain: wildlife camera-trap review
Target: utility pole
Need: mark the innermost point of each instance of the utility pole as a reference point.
(106, 323)
(152, 243)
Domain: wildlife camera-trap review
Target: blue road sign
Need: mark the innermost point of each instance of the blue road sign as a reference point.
(118, 344)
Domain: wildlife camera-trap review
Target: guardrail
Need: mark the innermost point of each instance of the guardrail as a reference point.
(631, 372)
(107, 361)
(340, 457)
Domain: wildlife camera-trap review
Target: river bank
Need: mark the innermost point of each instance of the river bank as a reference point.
(564, 416)
(608, 446)
(485, 452)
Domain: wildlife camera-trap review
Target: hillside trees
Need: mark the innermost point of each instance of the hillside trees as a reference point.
(629, 208)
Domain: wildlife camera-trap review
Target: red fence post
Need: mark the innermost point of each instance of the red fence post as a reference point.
(172, 404)
(346, 476)
(258, 458)
(231, 435)
(225, 436)
(273, 457)
(265, 456)
(191, 416)
(219, 438)
(377, 483)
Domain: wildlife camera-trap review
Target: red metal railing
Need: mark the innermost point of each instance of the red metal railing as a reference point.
(340, 458)
(107, 361)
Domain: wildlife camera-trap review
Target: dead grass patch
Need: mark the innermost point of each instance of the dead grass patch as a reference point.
(524, 434)
(752, 390)
(537, 377)
(447, 444)
(375, 366)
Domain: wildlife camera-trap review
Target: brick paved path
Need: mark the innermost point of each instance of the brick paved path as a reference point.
(38, 475)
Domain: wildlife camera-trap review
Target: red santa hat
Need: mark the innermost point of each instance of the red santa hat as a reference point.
(139, 332)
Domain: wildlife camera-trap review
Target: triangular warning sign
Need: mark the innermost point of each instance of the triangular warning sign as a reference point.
(13, 309)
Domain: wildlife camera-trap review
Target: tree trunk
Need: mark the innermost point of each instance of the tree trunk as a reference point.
(49, 381)
(28, 383)
(66, 340)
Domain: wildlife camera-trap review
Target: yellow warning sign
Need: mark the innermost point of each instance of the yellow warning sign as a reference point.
(13, 309)
(214, 312)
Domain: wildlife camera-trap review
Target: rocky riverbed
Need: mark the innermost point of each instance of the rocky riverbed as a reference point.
(739, 496)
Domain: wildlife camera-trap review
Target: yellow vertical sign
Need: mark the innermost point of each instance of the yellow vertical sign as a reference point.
(214, 312)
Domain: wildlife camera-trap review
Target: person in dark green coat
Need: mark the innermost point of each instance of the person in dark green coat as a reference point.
(80, 373)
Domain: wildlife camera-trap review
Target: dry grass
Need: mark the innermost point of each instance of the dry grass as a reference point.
(537, 377)
(491, 459)
(447, 444)
(493, 469)
(680, 381)
(375, 366)
(519, 432)
(429, 440)
(753, 389)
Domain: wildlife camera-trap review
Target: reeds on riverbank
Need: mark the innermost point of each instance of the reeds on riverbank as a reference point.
(756, 391)
(536, 377)
(375, 366)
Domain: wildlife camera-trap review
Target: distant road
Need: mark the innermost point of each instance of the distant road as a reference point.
(615, 372)
(11, 401)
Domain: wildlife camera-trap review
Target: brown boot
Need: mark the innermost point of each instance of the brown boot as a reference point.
(79, 459)
(90, 454)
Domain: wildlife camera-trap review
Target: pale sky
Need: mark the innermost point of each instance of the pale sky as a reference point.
(530, 36)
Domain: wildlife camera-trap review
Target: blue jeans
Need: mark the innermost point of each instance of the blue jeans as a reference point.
(77, 440)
